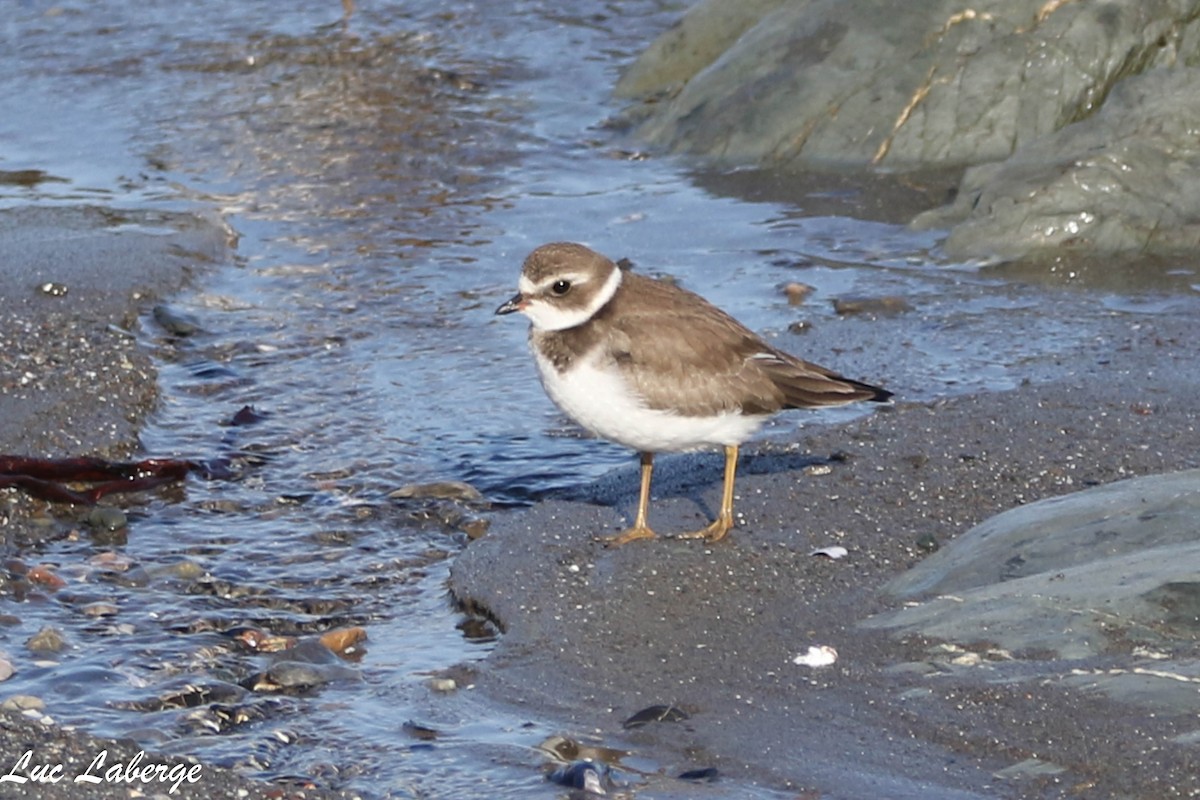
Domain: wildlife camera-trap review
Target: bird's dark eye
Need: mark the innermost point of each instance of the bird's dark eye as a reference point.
(561, 287)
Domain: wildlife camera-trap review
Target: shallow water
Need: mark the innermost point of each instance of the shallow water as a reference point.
(386, 176)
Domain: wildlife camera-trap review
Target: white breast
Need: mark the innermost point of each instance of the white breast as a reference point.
(597, 398)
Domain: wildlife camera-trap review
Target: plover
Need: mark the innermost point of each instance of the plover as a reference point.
(657, 368)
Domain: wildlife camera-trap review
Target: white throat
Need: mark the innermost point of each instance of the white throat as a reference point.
(545, 316)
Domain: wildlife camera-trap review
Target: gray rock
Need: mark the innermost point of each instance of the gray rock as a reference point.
(872, 82)
(1166, 688)
(1124, 180)
(1121, 519)
(1076, 575)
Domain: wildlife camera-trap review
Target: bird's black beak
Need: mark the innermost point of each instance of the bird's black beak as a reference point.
(513, 303)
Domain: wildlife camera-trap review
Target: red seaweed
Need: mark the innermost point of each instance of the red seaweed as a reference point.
(47, 478)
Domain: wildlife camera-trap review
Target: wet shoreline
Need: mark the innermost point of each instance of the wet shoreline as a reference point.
(883, 486)
(78, 383)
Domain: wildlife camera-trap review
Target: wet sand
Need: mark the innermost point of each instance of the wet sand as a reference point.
(592, 635)
(74, 381)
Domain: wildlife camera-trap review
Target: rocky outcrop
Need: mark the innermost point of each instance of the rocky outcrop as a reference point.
(871, 82)
(1112, 571)
(1077, 116)
(1126, 180)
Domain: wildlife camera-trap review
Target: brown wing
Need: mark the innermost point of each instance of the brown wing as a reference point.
(807, 385)
(681, 352)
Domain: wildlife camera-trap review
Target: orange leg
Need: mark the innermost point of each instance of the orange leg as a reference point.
(720, 526)
(640, 529)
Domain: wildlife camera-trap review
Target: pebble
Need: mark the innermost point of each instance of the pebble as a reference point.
(797, 292)
(871, 305)
(107, 518)
(474, 527)
(112, 560)
(419, 731)
(800, 326)
(47, 640)
(291, 675)
(43, 575)
(6, 669)
(22, 702)
(100, 608)
(440, 490)
(444, 685)
(344, 641)
(184, 570)
(175, 322)
(262, 641)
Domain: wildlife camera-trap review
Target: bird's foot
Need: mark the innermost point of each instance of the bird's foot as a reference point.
(714, 532)
(627, 536)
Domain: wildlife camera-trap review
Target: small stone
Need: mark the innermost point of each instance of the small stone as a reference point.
(23, 702)
(440, 490)
(871, 305)
(118, 562)
(344, 641)
(474, 527)
(928, 543)
(797, 292)
(419, 731)
(107, 518)
(54, 289)
(800, 326)
(814, 470)
(183, 570)
(6, 669)
(100, 608)
(291, 675)
(175, 322)
(47, 640)
(262, 641)
(42, 574)
(443, 685)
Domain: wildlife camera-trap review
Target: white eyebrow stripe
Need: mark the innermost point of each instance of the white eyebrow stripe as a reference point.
(525, 286)
(574, 278)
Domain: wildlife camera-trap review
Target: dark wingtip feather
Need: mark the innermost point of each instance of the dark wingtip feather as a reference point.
(876, 395)
(816, 391)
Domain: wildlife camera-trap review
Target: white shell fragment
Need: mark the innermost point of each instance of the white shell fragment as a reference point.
(817, 656)
(835, 552)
